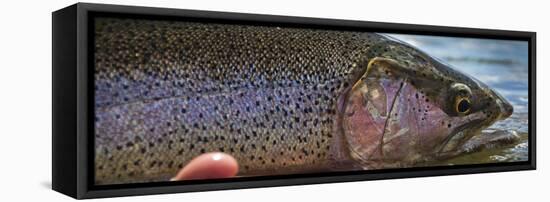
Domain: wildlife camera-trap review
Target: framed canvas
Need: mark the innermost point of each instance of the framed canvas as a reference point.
(155, 100)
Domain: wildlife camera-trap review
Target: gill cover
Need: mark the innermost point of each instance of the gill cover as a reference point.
(368, 107)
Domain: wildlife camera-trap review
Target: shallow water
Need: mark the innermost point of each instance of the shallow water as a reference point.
(502, 65)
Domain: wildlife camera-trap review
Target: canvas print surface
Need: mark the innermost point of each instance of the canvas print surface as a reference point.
(286, 100)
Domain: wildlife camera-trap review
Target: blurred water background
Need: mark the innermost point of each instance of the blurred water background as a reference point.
(502, 65)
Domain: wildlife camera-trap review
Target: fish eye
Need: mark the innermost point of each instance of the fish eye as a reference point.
(462, 105)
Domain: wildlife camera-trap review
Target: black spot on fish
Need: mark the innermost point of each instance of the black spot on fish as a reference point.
(129, 144)
(170, 164)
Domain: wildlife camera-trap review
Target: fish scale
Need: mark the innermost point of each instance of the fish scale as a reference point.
(168, 91)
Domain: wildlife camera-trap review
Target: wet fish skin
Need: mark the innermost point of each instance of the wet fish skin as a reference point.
(166, 92)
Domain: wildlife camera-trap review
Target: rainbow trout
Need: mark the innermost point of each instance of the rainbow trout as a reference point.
(280, 100)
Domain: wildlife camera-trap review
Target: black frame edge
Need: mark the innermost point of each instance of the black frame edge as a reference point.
(272, 20)
(533, 99)
(299, 181)
(78, 186)
(83, 92)
(64, 132)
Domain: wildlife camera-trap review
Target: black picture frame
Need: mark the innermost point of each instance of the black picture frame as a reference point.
(72, 135)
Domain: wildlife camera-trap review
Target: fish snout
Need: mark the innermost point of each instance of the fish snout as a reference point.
(505, 108)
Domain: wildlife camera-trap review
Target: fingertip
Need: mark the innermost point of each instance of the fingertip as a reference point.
(222, 164)
(209, 166)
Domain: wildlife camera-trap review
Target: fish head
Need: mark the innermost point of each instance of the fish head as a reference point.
(408, 107)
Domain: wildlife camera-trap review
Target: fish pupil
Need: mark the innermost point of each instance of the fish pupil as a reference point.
(463, 106)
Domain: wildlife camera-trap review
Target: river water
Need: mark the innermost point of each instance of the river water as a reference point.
(502, 65)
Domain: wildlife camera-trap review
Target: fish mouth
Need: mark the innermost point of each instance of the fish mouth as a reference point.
(458, 137)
